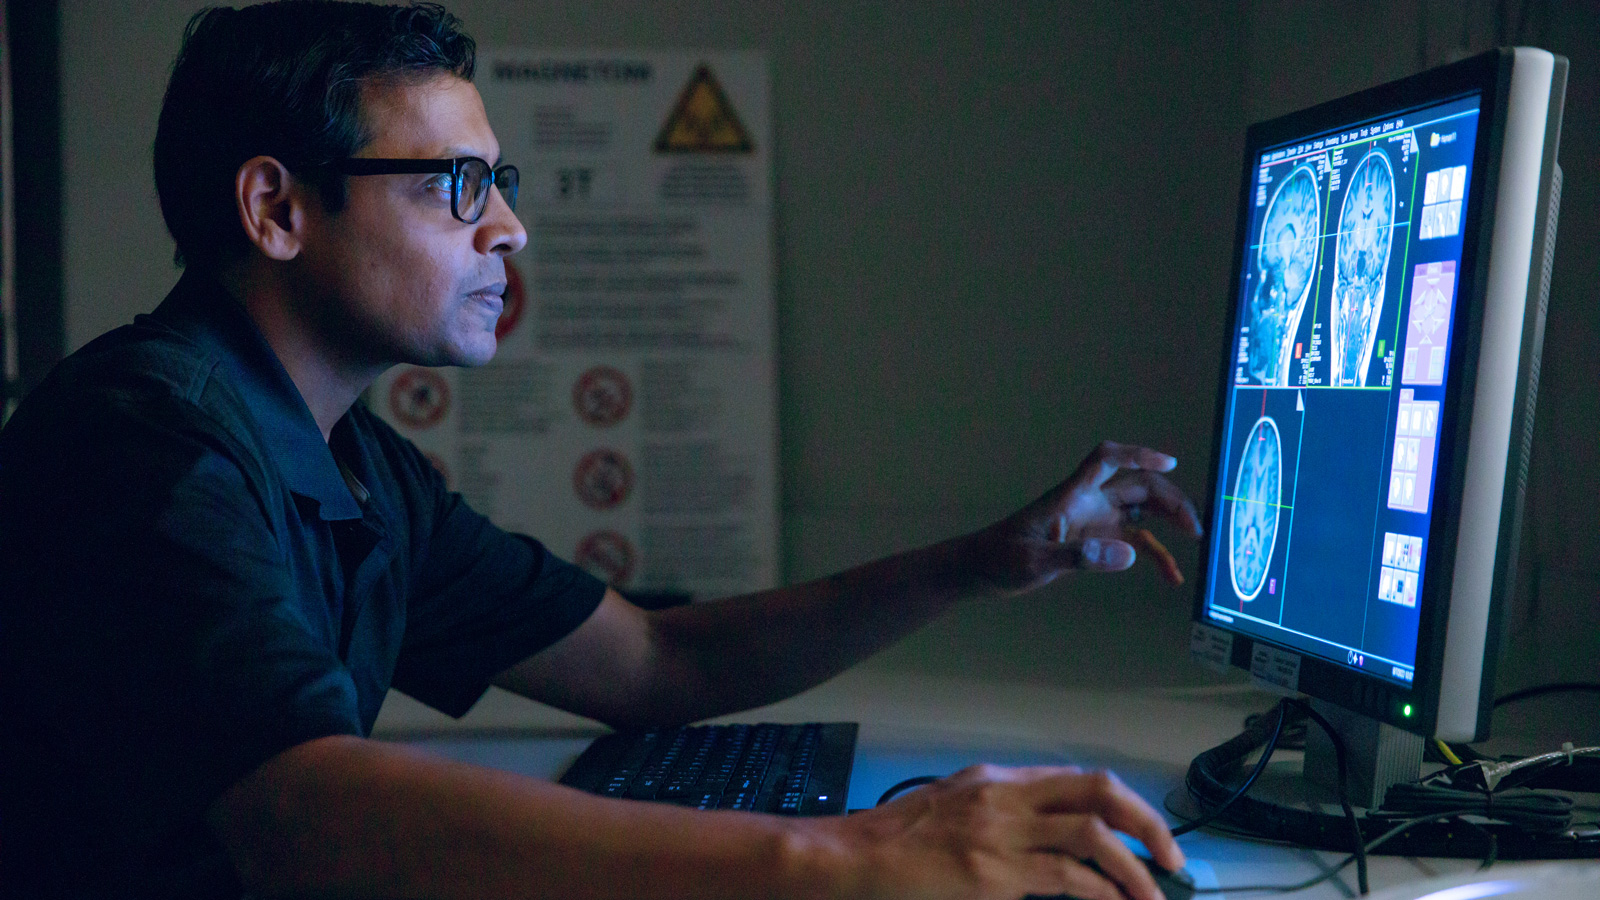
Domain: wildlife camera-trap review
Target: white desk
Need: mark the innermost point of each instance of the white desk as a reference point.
(914, 725)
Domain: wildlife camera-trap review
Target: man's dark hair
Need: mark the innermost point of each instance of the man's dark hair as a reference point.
(283, 80)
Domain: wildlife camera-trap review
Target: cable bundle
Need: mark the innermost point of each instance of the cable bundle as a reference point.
(1529, 810)
(1423, 819)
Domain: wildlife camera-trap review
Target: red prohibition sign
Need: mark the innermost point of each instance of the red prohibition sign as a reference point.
(602, 397)
(607, 554)
(515, 300)
(603, 479)
(419, 398)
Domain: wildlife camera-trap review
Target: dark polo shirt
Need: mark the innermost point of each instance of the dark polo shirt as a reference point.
(190, 585)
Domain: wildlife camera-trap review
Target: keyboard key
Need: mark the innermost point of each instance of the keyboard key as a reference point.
(776, 768)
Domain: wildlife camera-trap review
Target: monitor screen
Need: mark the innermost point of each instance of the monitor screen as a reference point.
(1342, 338)
(1377, 388)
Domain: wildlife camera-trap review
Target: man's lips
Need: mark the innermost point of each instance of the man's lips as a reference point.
(491, 296)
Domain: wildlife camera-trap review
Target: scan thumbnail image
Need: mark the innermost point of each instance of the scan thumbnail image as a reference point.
(1257, 500)
(1361, 267)
(1286, 260)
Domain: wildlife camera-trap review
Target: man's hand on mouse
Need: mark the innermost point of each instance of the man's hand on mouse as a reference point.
(991, 833)
(1090, 521)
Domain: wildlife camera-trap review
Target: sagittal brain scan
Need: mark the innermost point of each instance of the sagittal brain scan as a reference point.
(1285, 261)
(1257, 495)
(1361, 266)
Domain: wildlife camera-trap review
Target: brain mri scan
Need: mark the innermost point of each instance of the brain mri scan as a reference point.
(1361, 266)
(1285, 262)
(1257, 493)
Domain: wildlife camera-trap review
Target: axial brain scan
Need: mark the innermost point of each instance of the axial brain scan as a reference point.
(1254, 521)
(1361, 266)
(1285, 261)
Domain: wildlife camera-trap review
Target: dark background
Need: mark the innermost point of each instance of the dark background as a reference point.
(1003, 234)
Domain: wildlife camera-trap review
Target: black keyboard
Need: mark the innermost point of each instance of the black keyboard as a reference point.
(788, 769)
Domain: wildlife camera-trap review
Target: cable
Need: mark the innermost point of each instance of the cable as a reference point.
(1213, 777)
(1236, 749)
(1294, 730)
(1368, 847)
(1570, 768)
(1500, 799)
(1344, 792)
(1279, 722)
(1530, 810)
(1261, 766)
(1494, 845)
(901, 787)
(1560, 687)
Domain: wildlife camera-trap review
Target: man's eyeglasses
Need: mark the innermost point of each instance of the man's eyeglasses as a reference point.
(470, 179)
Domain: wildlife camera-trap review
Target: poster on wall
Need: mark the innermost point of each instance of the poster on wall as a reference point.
(629, 417)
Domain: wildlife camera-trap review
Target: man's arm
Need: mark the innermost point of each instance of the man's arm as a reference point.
(348, 817)
(628, 667)
(351, 817)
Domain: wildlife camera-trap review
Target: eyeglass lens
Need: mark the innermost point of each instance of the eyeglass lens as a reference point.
(472, 188)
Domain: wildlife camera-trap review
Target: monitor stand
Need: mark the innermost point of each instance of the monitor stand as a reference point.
(1379, 755)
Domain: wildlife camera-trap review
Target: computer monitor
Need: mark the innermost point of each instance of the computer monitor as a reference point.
(1376, 400)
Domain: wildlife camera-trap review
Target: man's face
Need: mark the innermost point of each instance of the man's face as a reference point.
(394, 277)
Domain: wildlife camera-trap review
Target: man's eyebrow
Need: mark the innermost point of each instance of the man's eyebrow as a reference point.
(453, 152)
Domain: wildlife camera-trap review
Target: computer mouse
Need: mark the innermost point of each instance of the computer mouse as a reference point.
(1177, 885)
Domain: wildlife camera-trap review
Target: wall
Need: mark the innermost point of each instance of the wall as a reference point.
(1003, 234)
(996, 235)
(988, 228)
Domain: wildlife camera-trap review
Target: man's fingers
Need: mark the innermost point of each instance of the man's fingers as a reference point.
(1083, 857)
(1054, 873)
(1118, 863)
(1111, 457)
(1113, 860)
(1065, 826)
(1097, 555)
(1104, 795)
(1112, 555)
(1152, 492)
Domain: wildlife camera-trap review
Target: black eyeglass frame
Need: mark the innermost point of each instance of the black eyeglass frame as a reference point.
(372, 165)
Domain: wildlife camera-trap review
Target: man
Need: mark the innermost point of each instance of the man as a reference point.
(217, 562)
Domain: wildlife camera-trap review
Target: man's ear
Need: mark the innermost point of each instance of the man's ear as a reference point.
(271, 209)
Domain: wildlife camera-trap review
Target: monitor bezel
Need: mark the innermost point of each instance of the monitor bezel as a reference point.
(1488, 76)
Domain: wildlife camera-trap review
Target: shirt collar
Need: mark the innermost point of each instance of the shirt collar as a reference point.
(203, 311)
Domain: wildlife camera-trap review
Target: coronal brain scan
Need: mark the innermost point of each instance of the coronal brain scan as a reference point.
(1285, 261)
(1361, 265)
(1254, 520)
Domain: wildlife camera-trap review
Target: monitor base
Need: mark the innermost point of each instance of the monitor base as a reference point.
(1380, 755)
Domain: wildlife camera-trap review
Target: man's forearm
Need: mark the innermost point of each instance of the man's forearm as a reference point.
(348, 817)
(748, 651)
(352, 818)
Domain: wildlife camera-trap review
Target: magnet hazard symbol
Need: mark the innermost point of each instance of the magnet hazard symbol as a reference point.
(419, 398)
(602, 396)
(603, 479)
(703, 121)
(608, 555)
(515, 302)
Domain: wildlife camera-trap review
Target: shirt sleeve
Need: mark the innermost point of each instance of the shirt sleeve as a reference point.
(481, 599)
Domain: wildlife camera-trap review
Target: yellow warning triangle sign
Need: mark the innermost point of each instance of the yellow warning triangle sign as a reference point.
(703, 121)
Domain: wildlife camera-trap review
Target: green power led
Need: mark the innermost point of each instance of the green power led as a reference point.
(1406, 710)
